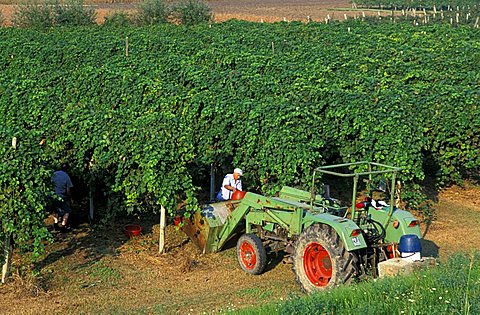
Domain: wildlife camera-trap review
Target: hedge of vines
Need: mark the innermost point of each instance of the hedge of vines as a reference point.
(454, 5)
(274, 99)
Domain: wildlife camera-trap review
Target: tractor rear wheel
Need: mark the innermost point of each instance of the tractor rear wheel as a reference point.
(320, 260)
(251, 254)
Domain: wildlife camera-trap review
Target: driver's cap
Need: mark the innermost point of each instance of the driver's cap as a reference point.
(238, 171)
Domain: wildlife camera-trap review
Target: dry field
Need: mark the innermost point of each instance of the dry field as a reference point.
(250, 10)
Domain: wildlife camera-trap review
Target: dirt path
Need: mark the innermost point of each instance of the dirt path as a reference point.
(102, 272)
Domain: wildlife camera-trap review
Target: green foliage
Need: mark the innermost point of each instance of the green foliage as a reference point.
(452, 287)
(49, 14)
(152, 12)
(190, 12)
(142, 127)
(117, 19)
(25, 184)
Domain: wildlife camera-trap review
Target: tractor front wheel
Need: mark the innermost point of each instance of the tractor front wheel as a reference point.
(251, 254)
(321, 260)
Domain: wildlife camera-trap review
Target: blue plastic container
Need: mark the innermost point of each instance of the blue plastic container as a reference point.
(409, 243)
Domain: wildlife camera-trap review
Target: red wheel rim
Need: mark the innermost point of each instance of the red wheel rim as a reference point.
(248, 256)
(317, 264)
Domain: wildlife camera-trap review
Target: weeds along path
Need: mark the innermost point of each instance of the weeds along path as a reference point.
(103, 272)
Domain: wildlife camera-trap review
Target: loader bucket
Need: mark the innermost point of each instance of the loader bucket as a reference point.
(204, 227)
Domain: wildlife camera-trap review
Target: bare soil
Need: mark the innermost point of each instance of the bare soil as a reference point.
(102, 271)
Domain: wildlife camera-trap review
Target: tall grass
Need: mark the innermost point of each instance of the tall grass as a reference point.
(451, 288)
(118, 19)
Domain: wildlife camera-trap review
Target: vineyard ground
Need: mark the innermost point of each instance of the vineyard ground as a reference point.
(250, 10)
(93, 271)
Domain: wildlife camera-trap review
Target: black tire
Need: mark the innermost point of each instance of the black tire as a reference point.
(251, 254)
(320, 260)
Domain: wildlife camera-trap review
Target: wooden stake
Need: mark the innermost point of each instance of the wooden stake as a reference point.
(161, 243)
(273, 47)
(126, 46)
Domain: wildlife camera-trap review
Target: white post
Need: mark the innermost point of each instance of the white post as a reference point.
(161, 244)
(7, 255)
(7, 247)
(126, 46)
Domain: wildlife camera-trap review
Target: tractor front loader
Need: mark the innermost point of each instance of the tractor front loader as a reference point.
(328, 244)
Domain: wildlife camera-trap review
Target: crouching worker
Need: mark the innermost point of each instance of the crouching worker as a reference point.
(230, 184)
(61, 204)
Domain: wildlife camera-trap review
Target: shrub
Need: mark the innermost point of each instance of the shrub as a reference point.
(33, 14)
(48, 14)
(117, 19)
(73, 13)
(190, 12)
(152, 12)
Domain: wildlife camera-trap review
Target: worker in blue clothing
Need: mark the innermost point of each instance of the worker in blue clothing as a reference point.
(62, 207)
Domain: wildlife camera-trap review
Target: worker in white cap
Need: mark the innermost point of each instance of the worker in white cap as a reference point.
(230, 184)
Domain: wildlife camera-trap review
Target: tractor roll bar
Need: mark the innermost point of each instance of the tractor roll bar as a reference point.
(383, 170)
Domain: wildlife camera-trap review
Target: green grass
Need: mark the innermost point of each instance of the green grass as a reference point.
(451, 288)
(101, 273)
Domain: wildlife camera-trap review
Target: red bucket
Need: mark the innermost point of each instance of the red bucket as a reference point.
(238, 194)
(132, 230)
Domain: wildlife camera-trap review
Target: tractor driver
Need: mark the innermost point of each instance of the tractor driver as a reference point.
(230, 184)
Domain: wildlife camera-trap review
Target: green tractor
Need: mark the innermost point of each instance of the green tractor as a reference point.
(328, 244)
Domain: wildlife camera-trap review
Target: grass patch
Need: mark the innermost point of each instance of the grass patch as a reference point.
(256, 293)
(100, 273)
(451, 288)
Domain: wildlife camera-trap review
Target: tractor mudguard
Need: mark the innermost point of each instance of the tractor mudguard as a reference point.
(401, 223)
(348, 231)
